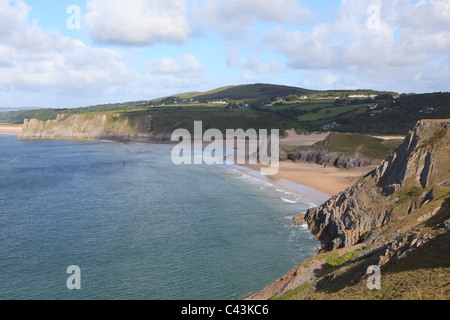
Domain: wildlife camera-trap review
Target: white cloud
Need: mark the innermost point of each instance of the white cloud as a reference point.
(236, 17)
(389, 53)
(427, 14)
(36, 63)
(188, 64)
(138, 22)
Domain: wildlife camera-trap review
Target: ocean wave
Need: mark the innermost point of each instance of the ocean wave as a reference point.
(288, 201)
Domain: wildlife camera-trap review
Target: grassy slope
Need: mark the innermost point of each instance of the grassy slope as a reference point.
(350, 143)
(212, 118)
(423, 274)
(367, 146)
(255, 91)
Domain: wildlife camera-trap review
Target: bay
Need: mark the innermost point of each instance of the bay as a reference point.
(138, 226)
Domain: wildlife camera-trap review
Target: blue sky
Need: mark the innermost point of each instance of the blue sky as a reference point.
(145, 49)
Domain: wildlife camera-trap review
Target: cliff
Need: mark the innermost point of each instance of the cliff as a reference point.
(397, 218)
(327, 158)
(93, 126)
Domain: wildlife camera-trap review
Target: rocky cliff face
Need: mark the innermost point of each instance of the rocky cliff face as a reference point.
(327, 158)
(407, 177)
(397, 218)
(92, 127)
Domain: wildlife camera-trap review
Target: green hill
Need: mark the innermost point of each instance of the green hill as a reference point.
(252, 91)
(267, 106)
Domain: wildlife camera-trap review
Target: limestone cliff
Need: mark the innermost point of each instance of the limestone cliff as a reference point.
(396, 218)
(336, 159)
(407, 177)
(108, 126)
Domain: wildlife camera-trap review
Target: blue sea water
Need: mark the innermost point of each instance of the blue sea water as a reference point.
(138, 226)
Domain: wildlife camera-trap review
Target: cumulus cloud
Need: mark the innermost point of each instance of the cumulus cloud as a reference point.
(44, 68)
(36, 63)
(235, 17)
(391, 42)
(137, 22)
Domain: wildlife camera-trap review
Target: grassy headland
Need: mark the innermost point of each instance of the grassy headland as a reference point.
(265, 106)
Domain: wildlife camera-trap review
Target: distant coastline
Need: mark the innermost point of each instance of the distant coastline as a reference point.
(327, 181)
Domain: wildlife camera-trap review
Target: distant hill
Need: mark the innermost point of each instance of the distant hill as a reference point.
(252, 91)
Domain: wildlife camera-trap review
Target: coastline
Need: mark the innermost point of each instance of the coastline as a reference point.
(314, 195)
(304, 178)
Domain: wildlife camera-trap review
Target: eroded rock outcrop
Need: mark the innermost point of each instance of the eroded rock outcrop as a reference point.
(408, 175)
(336, 159)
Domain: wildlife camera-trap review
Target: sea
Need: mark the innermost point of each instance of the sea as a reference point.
(139, 227)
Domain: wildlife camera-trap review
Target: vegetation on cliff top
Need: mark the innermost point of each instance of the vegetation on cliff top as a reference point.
(274, 107)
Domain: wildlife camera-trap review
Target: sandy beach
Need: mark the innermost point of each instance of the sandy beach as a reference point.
(14, 129)
(329, 180)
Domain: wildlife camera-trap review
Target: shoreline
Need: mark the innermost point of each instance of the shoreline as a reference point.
(314, 195)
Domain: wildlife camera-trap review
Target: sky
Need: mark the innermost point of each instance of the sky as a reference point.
(75, 53)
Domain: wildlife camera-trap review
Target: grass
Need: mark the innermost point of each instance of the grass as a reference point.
(218, 119)
(334, 260)
(291, 293)
(437, 136)
(255, 91)
(368, 146)
(329, 112)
